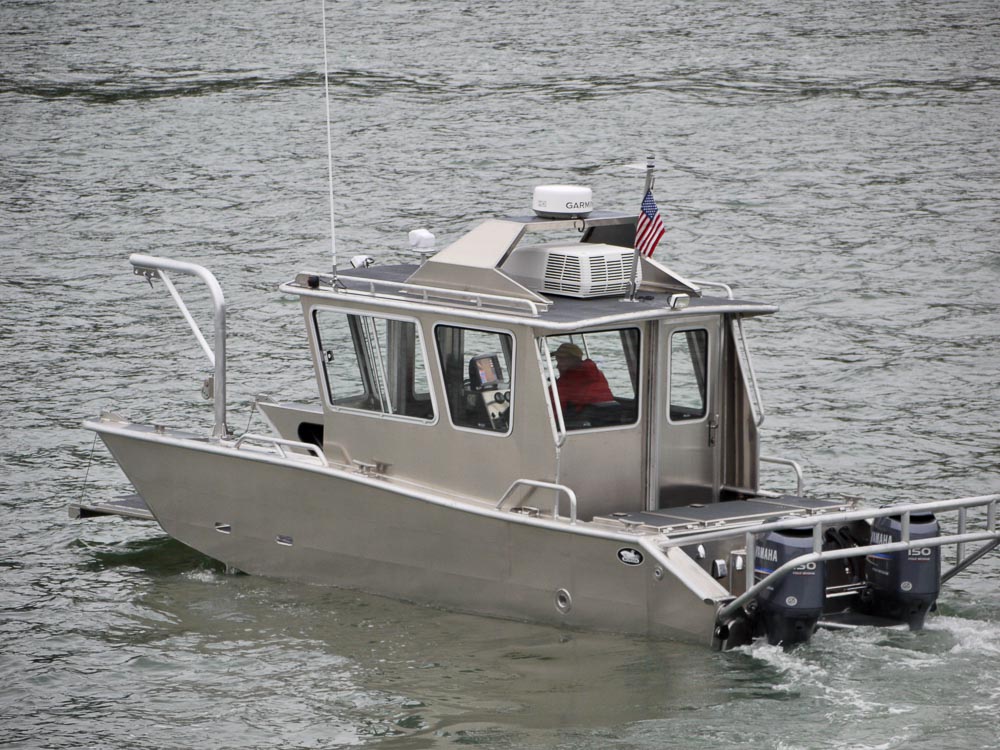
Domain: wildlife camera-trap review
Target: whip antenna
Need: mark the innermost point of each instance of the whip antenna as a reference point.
(329, 144)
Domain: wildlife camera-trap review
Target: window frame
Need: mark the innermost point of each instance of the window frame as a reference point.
(315, 310)
(638, 385)
(444, 387)
(707, 398)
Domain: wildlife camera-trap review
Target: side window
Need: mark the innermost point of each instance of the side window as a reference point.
(478, 376)
(597, 377)
(688, 369)
(373, 364)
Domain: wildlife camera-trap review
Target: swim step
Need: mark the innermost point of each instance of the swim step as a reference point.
(127, 506)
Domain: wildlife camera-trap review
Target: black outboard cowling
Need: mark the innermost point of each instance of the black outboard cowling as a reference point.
(903, 585)
(790, 607)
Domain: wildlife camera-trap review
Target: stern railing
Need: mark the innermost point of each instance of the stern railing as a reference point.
(820, 522)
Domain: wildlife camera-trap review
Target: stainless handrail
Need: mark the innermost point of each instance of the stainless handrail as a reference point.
(821, 518)
(476, 298)
(839, 554)
(545, 361)
(280, 444)
(715, 285)
(559, 488)
(751, 373)
(151, 267)
(818, 522)
(757, 403)
(799, 484)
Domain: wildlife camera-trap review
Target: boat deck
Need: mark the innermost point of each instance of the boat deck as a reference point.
(713, 516)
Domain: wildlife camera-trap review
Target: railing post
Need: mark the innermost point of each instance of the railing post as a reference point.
(962, 523)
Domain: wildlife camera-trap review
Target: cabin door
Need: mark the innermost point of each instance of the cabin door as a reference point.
(685, 419)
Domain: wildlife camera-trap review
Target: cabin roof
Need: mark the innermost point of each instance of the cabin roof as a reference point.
(385, 287)
(467, 278)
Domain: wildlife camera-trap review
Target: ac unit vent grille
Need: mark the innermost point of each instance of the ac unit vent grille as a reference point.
(562, 273)
(590, 275)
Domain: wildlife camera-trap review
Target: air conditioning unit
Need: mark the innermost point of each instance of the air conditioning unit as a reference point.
(576, 270)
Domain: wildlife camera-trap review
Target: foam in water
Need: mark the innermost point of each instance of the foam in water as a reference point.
(971, 636)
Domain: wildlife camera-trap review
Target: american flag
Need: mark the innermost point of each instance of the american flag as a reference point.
(649, 228)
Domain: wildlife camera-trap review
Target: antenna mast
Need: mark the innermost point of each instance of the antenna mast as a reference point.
(329, 145)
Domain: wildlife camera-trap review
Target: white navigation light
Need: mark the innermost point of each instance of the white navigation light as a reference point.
(421, 239)
(562, 201)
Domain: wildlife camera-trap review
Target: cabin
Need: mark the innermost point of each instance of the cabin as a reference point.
(442, 374)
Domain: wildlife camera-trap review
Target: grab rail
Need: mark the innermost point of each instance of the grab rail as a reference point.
(151, 267)
(742, 352)
(559, 488)
(799, 484)
(715, 285)
(476, 298)
(757, 401)
(990, 534)
(545, 361)
(280, 444)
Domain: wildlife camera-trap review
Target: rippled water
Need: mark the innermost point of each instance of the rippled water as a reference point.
(839, 159)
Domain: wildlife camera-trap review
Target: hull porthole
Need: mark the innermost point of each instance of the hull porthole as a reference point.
(564, 602)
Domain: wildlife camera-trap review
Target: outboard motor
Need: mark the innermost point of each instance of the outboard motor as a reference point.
(789, 608)
(903, 585)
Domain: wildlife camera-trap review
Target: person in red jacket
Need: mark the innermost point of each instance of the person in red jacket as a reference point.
(580, 381)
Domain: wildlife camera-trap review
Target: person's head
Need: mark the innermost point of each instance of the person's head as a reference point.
(568, 356)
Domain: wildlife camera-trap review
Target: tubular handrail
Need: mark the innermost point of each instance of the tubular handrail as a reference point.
(151, 267)
(669, 560)
(714, 285)
(794, 466)
(757, 404)
(545, 361)
(819, 519)
(750, 374)
(839, 554)
(559, 488)
(818, 522)
(425, 292)
(280, 444)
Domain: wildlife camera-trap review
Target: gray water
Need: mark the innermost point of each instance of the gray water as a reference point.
(839, 159)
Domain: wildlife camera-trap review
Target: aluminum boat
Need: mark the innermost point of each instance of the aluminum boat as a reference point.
(456, 457)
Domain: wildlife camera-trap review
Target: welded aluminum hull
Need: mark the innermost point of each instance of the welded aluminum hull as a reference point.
(268, 515)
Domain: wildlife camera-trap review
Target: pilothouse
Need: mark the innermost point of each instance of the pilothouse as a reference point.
(539, 421)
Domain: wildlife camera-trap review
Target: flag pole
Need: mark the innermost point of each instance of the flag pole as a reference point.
(650, 168)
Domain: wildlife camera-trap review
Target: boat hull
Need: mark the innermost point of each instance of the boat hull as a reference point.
(269, 515)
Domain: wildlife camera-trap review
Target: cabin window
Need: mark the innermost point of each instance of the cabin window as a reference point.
(373, 364)
(688, 375)
(477, 366)
(597, 377)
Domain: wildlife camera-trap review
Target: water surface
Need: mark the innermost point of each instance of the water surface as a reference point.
(838, 159)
